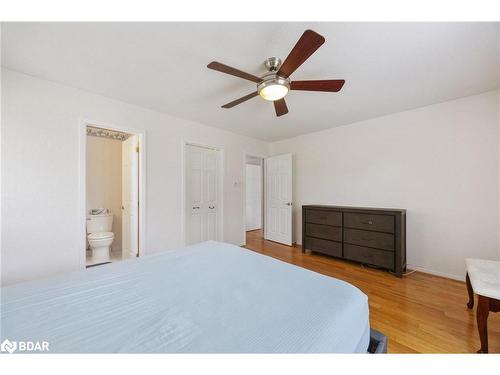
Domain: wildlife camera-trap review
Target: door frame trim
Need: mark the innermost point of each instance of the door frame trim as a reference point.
(82, 181)
(220, 189)
(244, 193)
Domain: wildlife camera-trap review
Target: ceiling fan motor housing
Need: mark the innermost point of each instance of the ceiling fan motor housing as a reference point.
(272, 64)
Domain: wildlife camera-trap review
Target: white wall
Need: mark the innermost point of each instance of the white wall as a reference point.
(253, 190)
(40, 159)
(104, 180)
(440, 162)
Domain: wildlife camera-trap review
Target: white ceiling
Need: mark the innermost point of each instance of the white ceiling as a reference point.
(388, 67)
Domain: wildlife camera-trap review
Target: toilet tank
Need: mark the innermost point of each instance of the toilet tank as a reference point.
(99, 223)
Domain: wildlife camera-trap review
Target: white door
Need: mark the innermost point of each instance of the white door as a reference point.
(278, 196)
(130, 196)
(202, 206)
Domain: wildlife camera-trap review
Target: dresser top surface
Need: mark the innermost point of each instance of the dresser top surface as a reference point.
(353, 208)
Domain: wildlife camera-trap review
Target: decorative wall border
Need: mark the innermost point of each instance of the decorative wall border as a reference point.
(106, 133)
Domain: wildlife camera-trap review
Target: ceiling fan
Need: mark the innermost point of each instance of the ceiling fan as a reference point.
(275, 84)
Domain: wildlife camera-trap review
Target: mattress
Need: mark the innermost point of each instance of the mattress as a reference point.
(208, 298)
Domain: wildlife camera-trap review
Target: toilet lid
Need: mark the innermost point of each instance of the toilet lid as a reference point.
(100, 235)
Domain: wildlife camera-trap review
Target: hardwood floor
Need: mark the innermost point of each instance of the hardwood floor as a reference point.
(419, 313)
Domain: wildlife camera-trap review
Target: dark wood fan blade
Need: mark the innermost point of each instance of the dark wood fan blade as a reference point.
(233, 71)
(308, 43)
(240, 100)
(330, 85)
(280, 107)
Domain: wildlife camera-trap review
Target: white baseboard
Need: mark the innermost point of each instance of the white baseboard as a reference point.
(426, 270)
(436, 273)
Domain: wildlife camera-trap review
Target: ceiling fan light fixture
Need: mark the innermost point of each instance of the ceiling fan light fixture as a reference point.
(274, 88)
(275, 84)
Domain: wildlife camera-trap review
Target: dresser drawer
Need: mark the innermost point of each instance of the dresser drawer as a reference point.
(367, 255)
(372, 239)
(324, 231)
(324, 217)
(382, 223)
(324, 246)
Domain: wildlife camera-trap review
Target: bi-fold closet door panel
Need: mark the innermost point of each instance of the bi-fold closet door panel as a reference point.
(202, 206)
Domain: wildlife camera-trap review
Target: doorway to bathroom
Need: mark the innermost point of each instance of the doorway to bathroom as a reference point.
(114, 191)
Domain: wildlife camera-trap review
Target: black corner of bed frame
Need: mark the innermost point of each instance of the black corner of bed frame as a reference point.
(378, 342)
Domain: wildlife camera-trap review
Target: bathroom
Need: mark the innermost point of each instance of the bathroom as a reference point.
(112, 195)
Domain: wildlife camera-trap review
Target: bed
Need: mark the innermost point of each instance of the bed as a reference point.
(207, 298)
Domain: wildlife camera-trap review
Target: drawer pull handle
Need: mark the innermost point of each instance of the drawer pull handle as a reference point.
(369, 222)
(211, 207)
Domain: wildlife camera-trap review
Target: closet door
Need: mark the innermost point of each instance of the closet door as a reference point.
(210, 190)
(202, 194)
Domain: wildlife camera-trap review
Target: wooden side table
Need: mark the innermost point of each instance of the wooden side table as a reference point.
(483, 278)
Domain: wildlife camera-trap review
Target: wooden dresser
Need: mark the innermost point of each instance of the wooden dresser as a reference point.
(373, 236)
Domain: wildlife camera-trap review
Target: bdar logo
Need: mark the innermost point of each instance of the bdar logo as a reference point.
(24, 346)
(8, 346)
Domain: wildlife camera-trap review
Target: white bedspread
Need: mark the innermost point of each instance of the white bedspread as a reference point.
(208, 298)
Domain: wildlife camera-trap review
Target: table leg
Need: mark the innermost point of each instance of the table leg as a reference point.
(470, 304)
(482, 311)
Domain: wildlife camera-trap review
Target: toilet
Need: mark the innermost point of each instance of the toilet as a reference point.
(100, 236)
